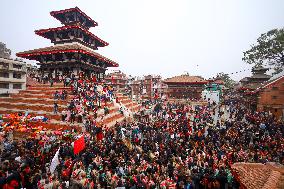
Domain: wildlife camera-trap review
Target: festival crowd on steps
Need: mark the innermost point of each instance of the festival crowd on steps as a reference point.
(173, 146)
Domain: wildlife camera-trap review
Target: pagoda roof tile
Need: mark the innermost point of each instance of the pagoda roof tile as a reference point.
(245, 79)
(185, 79)
(43, 31)
(257, 175)
(260, 76)
(221, 82)
(272, 80)
(71, 47)
(259, 68)
(75, 9)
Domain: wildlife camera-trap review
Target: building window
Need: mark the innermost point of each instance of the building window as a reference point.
(4, 74)
(274, 97)
(4, 85)
(4, 65)
(17, 66)
(17, 86)
(274, 88)
(17, 75)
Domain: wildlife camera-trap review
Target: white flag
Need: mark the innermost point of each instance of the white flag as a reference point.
(55, 161)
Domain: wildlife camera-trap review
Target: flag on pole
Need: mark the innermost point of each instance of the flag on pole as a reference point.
(54, 162)
(79, 145)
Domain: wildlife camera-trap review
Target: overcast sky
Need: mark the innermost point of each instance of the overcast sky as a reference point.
(166, 37)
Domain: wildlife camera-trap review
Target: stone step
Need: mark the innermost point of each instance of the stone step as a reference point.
(47, 87)
(45, 92)
(49, 115)
(33, 107)
(39, 101)
(55, 124)
(112, 118)
(33, 104)
(135, 108)
(33, 100)
(33, 96)
(112, 123)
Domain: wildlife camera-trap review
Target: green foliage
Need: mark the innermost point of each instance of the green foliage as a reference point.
(269, 50)
(228, 81)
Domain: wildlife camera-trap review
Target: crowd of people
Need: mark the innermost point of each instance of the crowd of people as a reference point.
(168, 146)
(88, 99)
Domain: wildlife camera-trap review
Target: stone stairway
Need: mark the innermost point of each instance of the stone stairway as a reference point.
(39, 100)
(115, 115)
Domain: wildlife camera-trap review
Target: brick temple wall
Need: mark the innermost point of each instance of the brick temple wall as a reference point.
(272, 98)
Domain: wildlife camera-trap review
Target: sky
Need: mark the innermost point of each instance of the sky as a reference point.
(165, 37)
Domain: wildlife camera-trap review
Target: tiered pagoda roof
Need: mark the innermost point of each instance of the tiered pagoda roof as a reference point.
(49, 33)
(73, 42)
(68, 48)
(256, 80)
(79, 17)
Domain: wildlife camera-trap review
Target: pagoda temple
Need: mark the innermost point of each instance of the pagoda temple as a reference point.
(258, 77)
(74, 47)
(185, 86)
(249, 85)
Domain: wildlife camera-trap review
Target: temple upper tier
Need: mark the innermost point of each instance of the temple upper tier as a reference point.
(72, 34)
(74, 16)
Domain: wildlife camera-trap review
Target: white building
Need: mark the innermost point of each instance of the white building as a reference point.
(211, 96)
(12, 75)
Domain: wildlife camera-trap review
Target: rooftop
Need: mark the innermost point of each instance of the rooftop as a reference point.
(257, 175)
(185, 79)
(58, 15)
(70, 47)
(259, 68)
(273, 79)
(245, 79)
(10, 60)
(116, 75)
(276, 76)
(44, 32)
(260, 76)
(219, 81)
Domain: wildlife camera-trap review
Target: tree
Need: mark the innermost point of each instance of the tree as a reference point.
(269, 50)
(228, 82)
(4, 51)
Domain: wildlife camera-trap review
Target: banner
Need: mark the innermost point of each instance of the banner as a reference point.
(79, 145)
(54, 162)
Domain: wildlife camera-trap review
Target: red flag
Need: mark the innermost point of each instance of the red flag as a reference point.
(156, 94)
(79, 145)
(112, 79)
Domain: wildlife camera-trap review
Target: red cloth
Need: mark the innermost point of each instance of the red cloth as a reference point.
(13, 184)
(79, 145)
(100, 136)
(94, 79)
(112, 79)
(156, 96)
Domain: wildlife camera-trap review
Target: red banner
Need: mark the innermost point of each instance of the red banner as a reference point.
(79, 145)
